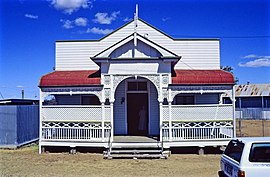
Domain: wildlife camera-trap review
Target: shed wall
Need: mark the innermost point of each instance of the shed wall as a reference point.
(27, 123)
(18, 125)
(8, 121)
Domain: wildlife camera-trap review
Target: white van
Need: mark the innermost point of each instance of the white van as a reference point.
(246, 157)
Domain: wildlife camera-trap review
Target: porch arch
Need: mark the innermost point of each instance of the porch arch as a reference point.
(154, 79)
(120, 106)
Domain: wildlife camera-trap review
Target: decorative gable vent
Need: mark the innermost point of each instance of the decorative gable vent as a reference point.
(128, 50)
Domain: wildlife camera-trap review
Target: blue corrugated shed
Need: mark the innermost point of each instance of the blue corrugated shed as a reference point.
(19, 124)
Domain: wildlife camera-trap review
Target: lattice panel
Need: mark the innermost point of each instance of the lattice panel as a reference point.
(225, 112)
(202, 113)
(71, 113)
(165, 113)
(107, 113)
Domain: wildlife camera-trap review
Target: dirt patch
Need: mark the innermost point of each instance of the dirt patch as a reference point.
(27, 162)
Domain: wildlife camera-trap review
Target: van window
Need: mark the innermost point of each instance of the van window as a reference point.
(260, 152)
(234, 150)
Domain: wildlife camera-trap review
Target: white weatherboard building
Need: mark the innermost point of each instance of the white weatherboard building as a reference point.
(100, 87)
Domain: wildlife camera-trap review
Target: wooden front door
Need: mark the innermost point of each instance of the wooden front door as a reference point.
(137, 114)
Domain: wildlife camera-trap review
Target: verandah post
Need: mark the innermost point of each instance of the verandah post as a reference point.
(111, 108)
(234, 120)
(170, 120)
(102, 121)
(41, 96)
(160, 120)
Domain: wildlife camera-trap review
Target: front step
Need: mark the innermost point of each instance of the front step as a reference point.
(136, 152)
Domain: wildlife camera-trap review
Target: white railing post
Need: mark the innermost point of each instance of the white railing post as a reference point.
(170, 121)
(102, 120)
(234, 121)
(112, 129)
(40, 120)
(160, 120)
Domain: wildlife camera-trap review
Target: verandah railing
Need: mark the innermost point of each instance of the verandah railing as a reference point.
(80, 131)
(75, 122)
(86, 123)
(198, 130)
(197, 122)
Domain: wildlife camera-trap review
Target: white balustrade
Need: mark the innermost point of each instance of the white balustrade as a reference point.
(78, 131)
(75, 122)
(198, 130)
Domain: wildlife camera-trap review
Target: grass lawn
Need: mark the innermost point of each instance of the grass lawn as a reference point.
(27, 162)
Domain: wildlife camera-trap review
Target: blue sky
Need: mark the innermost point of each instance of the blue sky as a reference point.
(29, 29)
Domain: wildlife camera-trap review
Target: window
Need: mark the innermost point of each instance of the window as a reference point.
(90, 100)
(137, 86)
(184, 100)
(251, 102)
(266, 102)
(227, 100)
(234, 150)
(49, 100)
(260, 152)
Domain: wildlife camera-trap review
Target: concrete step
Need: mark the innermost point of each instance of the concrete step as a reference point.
(136, 153)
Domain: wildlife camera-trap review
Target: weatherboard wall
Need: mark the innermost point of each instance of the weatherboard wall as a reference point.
(196, 54)
(154, 111)
(119, 117)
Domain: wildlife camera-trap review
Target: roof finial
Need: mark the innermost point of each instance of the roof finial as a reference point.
(135, 25)
(136, 12)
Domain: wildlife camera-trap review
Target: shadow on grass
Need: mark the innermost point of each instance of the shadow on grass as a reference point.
(194, 150)
(65, 149)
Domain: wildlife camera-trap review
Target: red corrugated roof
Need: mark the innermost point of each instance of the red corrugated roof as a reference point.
(197, 77)
(70, 78)
(91, 77)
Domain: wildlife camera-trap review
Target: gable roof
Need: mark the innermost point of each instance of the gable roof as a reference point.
(165, 52)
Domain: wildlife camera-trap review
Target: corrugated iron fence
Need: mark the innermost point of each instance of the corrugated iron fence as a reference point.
(19, 124)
